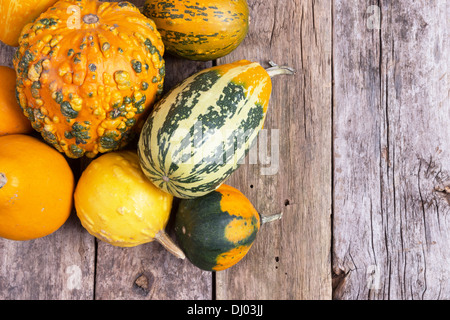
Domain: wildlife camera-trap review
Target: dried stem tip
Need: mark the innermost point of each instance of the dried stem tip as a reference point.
(273, 217)
(90, 18)
(163, 238)
(276, 70)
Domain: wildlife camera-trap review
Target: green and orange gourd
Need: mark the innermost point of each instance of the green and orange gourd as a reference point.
(217, 231)
(88, 73)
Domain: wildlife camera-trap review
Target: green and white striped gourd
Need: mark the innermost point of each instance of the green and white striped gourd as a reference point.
(199, 133)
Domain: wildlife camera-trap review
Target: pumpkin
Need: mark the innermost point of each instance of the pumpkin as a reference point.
(12, 118)
(216, 231)
(88, 73)
(36, 188)
(200, 30)
(200, 132)
(15, 14)
(118, 205)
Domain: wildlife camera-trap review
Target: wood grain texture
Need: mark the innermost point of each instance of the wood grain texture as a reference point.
(149, 272)
(391, 150)
(57, 267)
(290, 259)
(362, 142)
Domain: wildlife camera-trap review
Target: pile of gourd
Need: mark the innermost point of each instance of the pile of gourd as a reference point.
(89, 79)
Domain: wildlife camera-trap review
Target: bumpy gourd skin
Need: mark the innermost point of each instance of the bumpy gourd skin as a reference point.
(200, 30)
(87, 74)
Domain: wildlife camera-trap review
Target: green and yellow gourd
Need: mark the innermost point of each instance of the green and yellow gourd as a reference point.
(216, 231)
(202, 29)
(200, 132)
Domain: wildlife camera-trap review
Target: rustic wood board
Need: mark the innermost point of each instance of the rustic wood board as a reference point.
(391, 150)
(291, 257)
(363, 178)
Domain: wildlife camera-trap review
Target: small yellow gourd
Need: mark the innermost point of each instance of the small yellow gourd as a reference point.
(117, 204)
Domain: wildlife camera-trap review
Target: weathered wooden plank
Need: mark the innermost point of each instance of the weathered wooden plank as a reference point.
(57, 267)
(149, 272)
(291, 257)
(6, 55)
(392, 150)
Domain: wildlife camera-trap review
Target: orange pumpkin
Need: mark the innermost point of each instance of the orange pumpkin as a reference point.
(12, 120)
(15, 14)
(36, 188)
(87, 73)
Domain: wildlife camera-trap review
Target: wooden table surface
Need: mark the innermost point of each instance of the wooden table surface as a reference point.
(362, 141)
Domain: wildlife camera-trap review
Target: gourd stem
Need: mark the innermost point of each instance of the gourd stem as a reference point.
(90, 19)
(3, 180)
(273, 217)
(163, 238)
(276, 70)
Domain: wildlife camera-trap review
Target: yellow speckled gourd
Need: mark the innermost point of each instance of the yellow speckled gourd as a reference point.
(117, 204)
(87, 74)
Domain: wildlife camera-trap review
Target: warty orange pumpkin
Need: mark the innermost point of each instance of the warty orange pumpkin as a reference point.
(87, 74)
